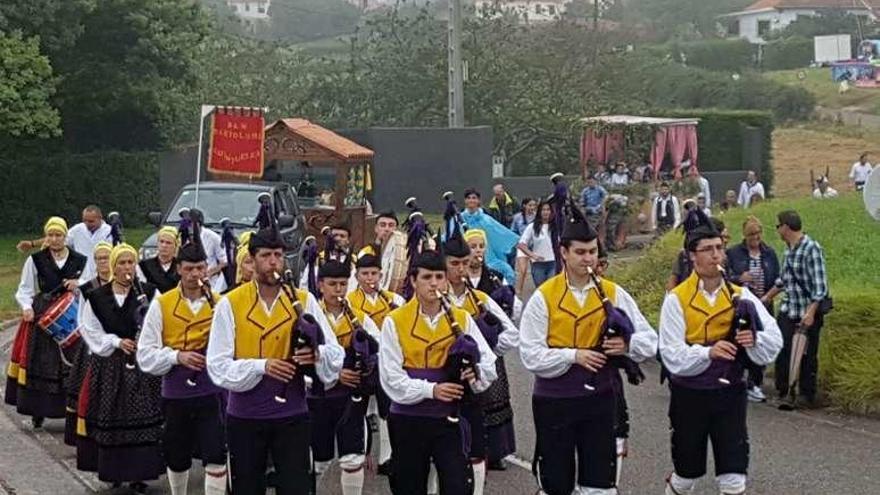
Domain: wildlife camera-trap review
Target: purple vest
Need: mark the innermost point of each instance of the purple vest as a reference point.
(428, 408)
(174, 384)
(259, 402)
(577, 382)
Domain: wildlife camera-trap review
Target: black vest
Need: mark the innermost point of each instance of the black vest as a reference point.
(669, 219)
(49, 276)
(86, 288)
(485, 284)
(164, 281)
(122, 322)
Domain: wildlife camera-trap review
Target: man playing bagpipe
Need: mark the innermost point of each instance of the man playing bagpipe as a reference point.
(376, 304)
(576, 331)
(338, 414)
(432, 356)
(161, 270)
(120, 416)
(265, 338)
(500, 334)
(709, 331)
(34, 382)
(172, 345)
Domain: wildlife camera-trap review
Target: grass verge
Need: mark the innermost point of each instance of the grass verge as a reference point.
(850, 345)
(818, 82)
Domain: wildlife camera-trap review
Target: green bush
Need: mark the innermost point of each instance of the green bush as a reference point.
(850, 343)
(36, 187)
(713, 54)
(787, 53)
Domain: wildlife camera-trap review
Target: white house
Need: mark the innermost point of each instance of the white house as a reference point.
(529, 11)
(250, 9)
(764, 16)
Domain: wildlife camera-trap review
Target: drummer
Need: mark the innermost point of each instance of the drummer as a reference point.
(35, 373)
(390, 248)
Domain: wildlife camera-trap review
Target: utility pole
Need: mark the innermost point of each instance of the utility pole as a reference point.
(456, 66)
(595, 15)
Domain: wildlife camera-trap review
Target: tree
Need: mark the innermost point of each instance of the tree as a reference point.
(26, 85)
(57, 23)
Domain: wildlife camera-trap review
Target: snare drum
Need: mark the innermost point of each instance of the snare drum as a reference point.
(60, 319)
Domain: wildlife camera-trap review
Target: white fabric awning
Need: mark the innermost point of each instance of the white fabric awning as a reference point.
(639, 120)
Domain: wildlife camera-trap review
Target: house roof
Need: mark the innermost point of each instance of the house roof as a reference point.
(341, 147)
(811, 4)
(639, 120)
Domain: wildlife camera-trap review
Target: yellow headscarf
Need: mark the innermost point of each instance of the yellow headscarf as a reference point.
(119, 250)
(472, 233)
(240, 256)
(170, 232)
(245, 238)
(102, 246)
(56, 224)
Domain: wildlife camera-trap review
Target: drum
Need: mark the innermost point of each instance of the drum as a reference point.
(394, 256)
(60, 319)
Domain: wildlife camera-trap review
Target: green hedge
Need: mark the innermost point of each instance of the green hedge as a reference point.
(715, 54)
(787, 53)
(36, 187)
(720, 135)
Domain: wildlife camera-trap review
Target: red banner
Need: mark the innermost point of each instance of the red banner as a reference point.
(236, 142)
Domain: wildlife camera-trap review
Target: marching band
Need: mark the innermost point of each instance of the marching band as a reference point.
(270, 377)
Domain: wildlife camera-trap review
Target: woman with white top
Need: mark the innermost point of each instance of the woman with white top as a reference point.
(537, 243)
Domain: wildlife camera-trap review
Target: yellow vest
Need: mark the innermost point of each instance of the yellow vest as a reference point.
(571, 325)
(423, 347)
(376, 311)
(342, 328)
(258, 335)
(704, 324)
(470, 305)
(181, 329)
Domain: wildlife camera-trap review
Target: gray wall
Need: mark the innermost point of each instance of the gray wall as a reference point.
(176, 169)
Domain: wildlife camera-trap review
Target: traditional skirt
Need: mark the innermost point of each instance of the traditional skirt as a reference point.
(120, 421)
(499, 415)
(35, 374)
(79, 357)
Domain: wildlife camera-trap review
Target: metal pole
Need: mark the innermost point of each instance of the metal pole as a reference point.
(206, 111)
(595, 15)
(456, 67)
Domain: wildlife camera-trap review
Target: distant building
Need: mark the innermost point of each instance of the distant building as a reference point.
(529, 11)
(250, 9)
(764, 16)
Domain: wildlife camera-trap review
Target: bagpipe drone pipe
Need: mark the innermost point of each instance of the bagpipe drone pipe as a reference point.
(418, 238)
(305, 333)
(362, 355)
(745, 318)
(463, 355)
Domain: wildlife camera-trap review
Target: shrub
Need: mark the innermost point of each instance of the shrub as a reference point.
(787, 53)
(713, 54)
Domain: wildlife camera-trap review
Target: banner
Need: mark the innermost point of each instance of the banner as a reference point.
(236, 146)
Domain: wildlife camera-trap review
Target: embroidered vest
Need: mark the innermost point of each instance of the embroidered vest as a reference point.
(377, 311)
(704, 324)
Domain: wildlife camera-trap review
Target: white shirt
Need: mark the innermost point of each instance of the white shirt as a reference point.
(402, 389)
(619, 180)
(660, 202)
(83, 242)
(509, 338)
(241, 375)
(541, 246)
(746, 191)
(860, 172)
(690, 360)
(547, 362)
(28, 286)
(830, 192)
(704, 188)
(152, 356)
(96, 338)
(213, 245)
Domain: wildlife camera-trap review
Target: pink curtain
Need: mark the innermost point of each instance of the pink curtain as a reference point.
(692, 146)
(613, 145)
(658, 151)
(677, 144)
(592, 146)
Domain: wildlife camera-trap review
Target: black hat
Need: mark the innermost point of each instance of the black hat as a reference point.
(266, 239)
(698, 227)
(577, 228)
(430, 260)
(369, 261)
(388, 214)
(455, 244)
(334, 269)
(191, 252)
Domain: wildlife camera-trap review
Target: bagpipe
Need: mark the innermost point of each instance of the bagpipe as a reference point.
(230, 246)
(617, 324)
(205, 287)
(305, 333)
(490, 325)
(745, 318)
(309, 255)
(388, 302)
(418, 238)
(463, 355)
(143, 304)
(115, 221)
(362, 355)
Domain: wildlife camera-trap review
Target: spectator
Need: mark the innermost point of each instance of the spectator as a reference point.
(823, 189)
(620, 177)
(615, 222)
(729, 200)
(860, 172)
(602, 175)
(503, 206)
(537, 243)
(665, 211)
(593, 198)
(804, 304)
(749, 189)
(703, 204)
(645, 173)
(754, 264)
(526, 215)
(693, 174)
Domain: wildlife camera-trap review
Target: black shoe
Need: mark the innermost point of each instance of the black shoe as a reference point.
(138, 487)
(384, 469)
(497, 465)
(37, 422)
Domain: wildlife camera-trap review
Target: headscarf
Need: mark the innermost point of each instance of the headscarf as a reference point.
(170, 232)
(102, 246)
(57, 224)
(117, 251)
(240, 256)
(472, 233)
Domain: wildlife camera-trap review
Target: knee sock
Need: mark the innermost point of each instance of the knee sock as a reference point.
(178, 481)
(479, 476)
(215, 479)
(384, 442)
(433, 485)
(352, 482)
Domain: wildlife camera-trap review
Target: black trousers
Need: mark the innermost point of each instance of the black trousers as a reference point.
(472, 412)
(338, 427)
(810, 363)
(415, 441)
(582, 426)
(697, 416)
(193, 425)
(250, 442)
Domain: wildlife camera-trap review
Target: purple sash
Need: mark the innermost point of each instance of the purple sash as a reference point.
(174, 384)
(709, 379)
(259, 402)
(572, 383)
(430, 408)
